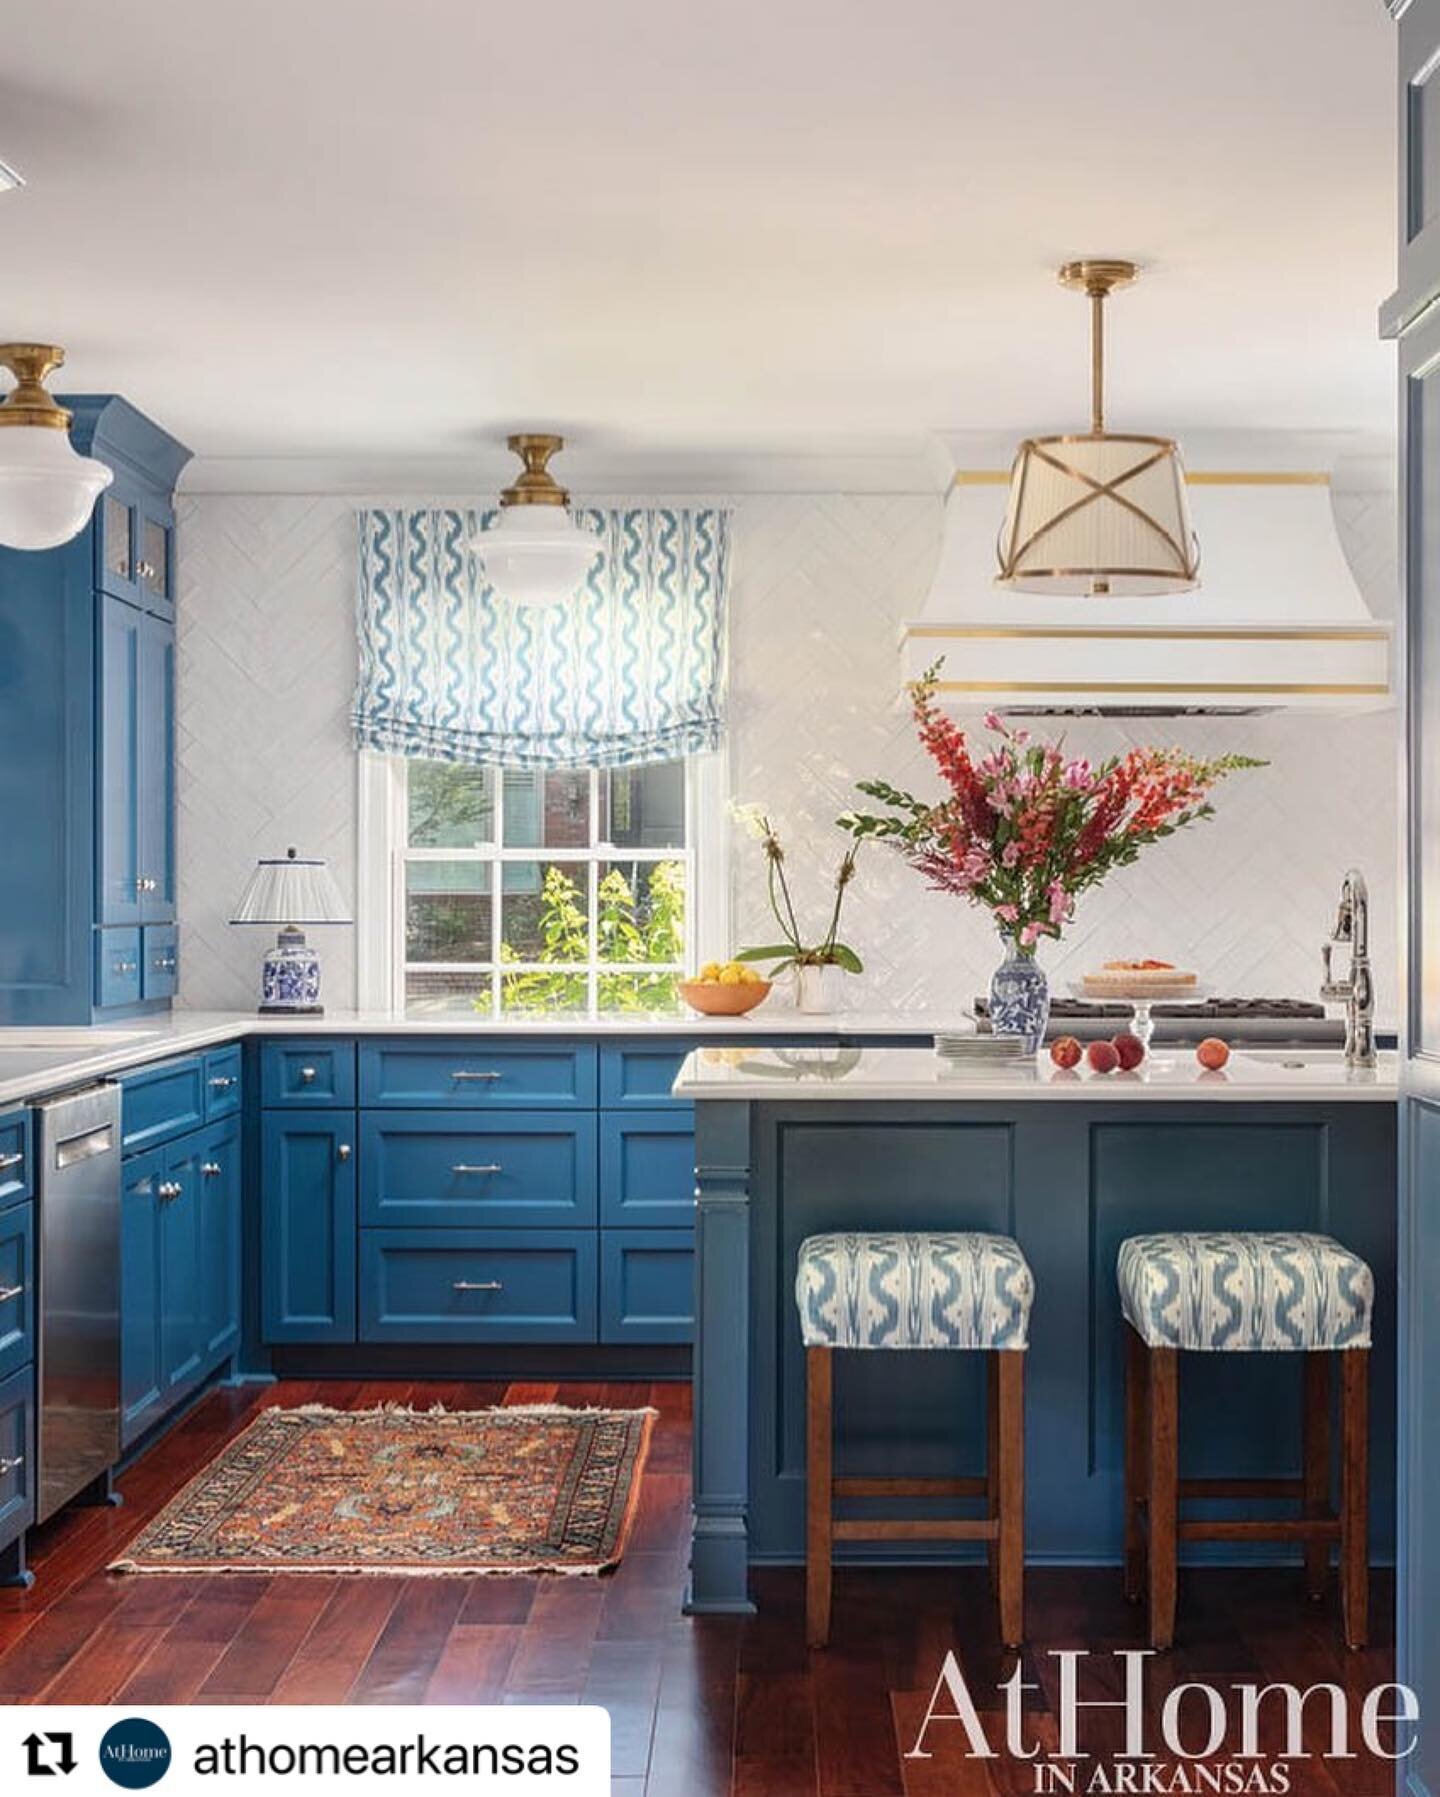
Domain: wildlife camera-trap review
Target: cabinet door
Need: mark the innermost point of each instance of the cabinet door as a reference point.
(116, 526)
(181, 1267)
(118, 786)
(307, 1209)
(156, 772)
(140, 1375)
(155, 556)
(219, 1243)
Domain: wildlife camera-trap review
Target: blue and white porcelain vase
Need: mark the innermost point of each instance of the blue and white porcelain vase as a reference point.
(1019, 995)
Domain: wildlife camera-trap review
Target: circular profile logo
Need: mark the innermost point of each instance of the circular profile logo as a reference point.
(135, 1753)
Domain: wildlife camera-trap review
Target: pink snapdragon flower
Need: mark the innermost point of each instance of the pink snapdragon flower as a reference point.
(1059, 903)
(1008, 913)
(1031, 934)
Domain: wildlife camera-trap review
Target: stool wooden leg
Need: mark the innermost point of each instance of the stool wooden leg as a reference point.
(1317, 1466)
(819, 1494)
(1355, 1494)
(992, 1461)
(1011, 1554)
(1163, 1479)
(1137, 1366)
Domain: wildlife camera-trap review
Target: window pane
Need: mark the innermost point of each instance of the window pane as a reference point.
(460, 995)
(546, 915)
(447, 911)
(641, 914)
(637, 992)
(547, 810)
(545, 992)
(643, 807)
(450, 807)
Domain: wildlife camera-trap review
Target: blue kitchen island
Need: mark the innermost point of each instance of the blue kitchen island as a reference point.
(791, 1142)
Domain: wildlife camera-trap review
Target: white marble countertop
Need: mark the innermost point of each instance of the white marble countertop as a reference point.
(848, 1075)
(34, 1062)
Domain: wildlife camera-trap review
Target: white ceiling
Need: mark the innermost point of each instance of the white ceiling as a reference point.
(377, 231)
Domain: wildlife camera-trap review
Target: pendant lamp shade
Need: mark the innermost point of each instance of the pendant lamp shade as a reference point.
(1098, 513)
(47, 489)
(535, 553)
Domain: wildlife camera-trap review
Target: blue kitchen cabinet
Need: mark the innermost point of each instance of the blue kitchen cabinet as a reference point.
(17, 1473)
(647, 1169)
(179, 1271)
(478, 1285)
(308, 1226)
(87, 741)
(17, 1288)
(647, 1285)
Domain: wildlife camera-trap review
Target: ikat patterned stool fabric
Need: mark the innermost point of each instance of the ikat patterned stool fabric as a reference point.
(913, 1291)
(1242, 1292)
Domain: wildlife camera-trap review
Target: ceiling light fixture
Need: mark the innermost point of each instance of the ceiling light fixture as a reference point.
(47, 489)
(1100, 514)
(535, 553)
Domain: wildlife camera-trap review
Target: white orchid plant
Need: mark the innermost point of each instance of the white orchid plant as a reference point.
(795, 951)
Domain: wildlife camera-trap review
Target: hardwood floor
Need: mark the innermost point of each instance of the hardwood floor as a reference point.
(719, 1708)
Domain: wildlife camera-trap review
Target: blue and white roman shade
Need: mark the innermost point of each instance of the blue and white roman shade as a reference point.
(630, 671)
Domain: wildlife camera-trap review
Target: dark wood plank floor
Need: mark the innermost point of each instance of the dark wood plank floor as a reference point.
(720, 1708)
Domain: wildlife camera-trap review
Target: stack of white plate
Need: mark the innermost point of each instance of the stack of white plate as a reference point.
(956, 1045)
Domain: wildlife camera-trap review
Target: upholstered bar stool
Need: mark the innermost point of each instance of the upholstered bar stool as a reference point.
(1245, 1293)
(920, 1291)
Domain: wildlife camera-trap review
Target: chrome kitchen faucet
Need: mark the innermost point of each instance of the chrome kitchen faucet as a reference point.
(1357, 990)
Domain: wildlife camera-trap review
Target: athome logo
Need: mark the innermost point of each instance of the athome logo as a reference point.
(135, 1753)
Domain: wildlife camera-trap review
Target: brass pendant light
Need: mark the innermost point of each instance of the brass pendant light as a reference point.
(1100, 514)
(535, 553)
(47, 489)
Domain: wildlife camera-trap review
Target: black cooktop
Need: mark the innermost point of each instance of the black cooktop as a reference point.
(1286, 1008)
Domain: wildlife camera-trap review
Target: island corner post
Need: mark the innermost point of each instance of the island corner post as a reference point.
(1069, 1179)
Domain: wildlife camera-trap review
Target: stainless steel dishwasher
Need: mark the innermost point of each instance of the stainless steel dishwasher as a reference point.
(79, 1266)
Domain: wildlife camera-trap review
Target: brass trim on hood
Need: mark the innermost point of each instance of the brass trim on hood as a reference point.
(1240, 633)
(1369, 689)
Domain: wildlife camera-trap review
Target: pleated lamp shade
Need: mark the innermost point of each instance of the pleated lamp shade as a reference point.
(1102, 515)
(291, 890)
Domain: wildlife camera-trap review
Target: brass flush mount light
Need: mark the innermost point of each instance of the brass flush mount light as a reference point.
(47, 490)
(535, 553)
(1102, 513)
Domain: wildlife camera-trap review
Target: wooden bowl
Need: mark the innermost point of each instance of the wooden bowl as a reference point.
(724, 1001)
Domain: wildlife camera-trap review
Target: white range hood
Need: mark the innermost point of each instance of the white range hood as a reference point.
(1277, 621)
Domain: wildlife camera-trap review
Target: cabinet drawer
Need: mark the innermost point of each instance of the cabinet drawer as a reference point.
(647, 1285)
(17, 1455)
(420, 1170)
(17, 1288)
(117, 967)
(641, 1074)
(647, 1168)
(160, 1102)
(319, 1072)
(471, 1285)
(467, 1074)
(17, 1158)
(222, 1082)
(160, 961)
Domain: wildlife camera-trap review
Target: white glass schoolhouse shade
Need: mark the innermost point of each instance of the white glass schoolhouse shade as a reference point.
(47, 489)
(535, 553)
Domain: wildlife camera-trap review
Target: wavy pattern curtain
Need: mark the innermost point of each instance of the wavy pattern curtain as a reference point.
(632, 670)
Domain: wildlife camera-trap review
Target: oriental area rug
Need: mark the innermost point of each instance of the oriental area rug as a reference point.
(509, 1490)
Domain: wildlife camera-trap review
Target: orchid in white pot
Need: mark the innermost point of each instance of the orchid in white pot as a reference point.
(818, 964)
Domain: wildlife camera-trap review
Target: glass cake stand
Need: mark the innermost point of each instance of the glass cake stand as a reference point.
(1142, 1023)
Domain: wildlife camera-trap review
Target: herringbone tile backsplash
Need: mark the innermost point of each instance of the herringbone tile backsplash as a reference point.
(822, 583)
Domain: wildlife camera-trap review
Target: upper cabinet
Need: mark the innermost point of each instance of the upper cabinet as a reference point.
(87, 742)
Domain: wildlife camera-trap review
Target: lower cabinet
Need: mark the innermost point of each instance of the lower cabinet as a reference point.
(308, 1226)
(477, 1285)
(647, 1285)
(180, 1270)
(17, 1455)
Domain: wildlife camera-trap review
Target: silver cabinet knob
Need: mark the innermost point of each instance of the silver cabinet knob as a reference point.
(307, 1076)
(7, 1292)
(343, 1152)
(484, 1167)
(478, 1285)
(11, 1466)
(210, 1169)
(10, 1160)
(169, 1188)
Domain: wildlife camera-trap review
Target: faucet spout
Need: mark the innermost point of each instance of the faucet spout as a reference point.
(1357, 990)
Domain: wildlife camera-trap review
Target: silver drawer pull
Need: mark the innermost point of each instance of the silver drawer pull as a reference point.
(478, 1285)
(307, 1076)
(210, 1169)
(7, 1161)
(7, 1292)
(460, 1073)
(491, 1167)
(169, 1188)
(11, 1466)
(222, 1082)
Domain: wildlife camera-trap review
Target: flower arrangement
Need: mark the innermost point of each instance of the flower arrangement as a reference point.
(795, 951)
(1023, 830)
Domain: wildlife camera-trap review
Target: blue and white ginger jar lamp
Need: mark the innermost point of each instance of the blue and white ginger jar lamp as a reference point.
(291, 891)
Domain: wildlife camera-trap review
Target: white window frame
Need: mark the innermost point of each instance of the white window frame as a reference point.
(381, 853)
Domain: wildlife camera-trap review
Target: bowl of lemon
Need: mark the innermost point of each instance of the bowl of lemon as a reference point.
(725, 989)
